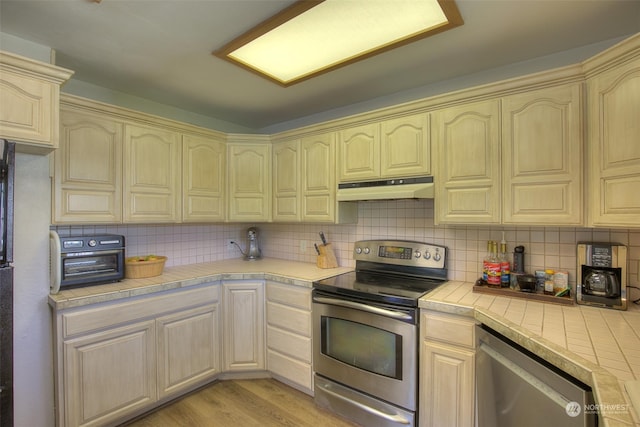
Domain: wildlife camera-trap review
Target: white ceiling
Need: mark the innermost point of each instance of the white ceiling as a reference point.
(160, 50)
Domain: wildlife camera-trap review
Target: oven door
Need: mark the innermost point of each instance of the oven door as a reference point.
(369, 348)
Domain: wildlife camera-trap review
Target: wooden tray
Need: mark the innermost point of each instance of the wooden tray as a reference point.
(508, 292)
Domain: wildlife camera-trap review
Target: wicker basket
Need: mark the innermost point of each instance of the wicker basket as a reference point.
(139, 269)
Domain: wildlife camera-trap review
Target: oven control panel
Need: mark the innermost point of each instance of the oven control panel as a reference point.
(401, 252)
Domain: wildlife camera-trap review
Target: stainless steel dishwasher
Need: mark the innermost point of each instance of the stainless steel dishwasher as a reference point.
(517, 388)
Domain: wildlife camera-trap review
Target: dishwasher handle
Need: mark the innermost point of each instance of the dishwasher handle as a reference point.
(535, 382)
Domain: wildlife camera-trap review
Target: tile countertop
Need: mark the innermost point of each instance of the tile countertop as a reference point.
(600, 347)
(284, 271)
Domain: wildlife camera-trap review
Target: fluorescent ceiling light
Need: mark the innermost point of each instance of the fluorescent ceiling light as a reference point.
(313, 37)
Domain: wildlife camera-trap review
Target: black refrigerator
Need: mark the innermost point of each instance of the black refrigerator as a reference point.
(7, 164)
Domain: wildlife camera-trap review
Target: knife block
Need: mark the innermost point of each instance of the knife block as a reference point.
(326, 259)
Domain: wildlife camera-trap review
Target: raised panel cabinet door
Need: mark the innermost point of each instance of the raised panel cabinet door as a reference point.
(542, 151)
(87, 182)
(359, 153)
(189, 347)
(203, 179)
(30, 102)
(249, 182)
(447, 385)
(151, 174)
(109, 374)
(286, 181)
(318, 178)
(466, 139)
(614, 146)
(405, 145)
(244, 326)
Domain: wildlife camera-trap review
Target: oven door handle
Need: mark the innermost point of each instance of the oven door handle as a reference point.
(364, 307)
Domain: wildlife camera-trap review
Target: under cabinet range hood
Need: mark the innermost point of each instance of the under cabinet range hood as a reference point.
(390, 189)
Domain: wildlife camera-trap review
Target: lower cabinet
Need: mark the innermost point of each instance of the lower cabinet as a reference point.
(116, 360)
(289, 330)
(447, 370)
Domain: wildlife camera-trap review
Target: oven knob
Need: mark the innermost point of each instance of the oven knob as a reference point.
(366, 251)
(358, 250)
(417, 254)
(427, 255)
(437, 256)
(92, 243)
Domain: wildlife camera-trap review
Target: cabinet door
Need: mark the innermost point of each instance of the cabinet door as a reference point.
(614, 146)
(467, 173)
(249, 182)
(188, 348)
(151, 174)
(243, 325)
(109, 374)
(360, 153)
(203, 179)
(87, 184)
(286, 181)
(405, 147)
(542, 151)
(447, 386)
(318, 178)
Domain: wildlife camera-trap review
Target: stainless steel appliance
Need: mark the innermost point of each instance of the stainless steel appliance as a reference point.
(516, 388)
(387, 189)
(85, 260)
(7, 167)
(253, 251)
(365, 328)
(602, 277)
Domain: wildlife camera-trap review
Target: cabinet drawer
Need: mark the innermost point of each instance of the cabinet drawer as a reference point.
(448, 328)
(290, 344)
(290, 369)
(291, 319)
(289, 295)
(85, 320)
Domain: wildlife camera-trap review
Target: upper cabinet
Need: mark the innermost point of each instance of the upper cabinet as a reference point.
(30, 102)
(204, 167)
(286, 181)
(613, 86)
(542, 152)
(249, 174)
(466, 141)
(392, 148)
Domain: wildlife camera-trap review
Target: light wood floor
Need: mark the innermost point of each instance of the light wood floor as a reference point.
(245, 403)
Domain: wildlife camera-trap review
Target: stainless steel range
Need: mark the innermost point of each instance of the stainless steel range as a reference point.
(365, 328)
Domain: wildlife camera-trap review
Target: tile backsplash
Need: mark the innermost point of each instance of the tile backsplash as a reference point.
(545, 247)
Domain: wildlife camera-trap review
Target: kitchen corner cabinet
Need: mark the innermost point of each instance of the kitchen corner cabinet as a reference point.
(87, 179)
(204, 166)
(614, 139)
(289, 328)
(152, 169)
(542, 152)
(116, 360)
(447, 370)
(30, 102)
(392, 148)
(286, 181)
(243, 320)
(466, 141)
(249, 177)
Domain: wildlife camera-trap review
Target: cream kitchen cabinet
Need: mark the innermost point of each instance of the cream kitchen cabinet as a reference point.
(152, 173)
(243, 324)
(447, 370)
(115, 360)
(30, 102)
(289, 347)
(249, 178)
(87, 179)
(286, 181)
(613, 88)
(392, 148)
(542, 156)
(466, 142)
(204, 166)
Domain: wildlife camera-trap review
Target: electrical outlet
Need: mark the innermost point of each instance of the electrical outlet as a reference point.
(303, 245)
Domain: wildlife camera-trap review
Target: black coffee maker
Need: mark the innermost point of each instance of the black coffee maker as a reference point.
(602, 275)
